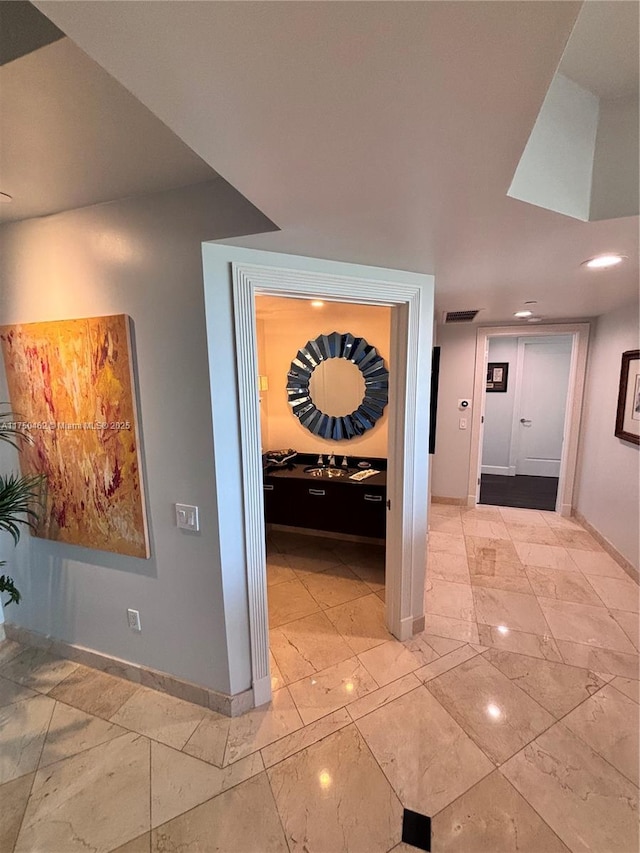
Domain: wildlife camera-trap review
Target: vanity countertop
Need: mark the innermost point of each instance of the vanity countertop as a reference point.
(297, 472)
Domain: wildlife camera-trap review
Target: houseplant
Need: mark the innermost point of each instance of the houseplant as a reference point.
(20, 497)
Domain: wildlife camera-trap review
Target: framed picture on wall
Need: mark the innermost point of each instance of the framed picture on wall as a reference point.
(497, 372)
(628, 415)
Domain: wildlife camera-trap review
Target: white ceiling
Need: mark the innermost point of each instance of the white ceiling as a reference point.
(73, 136)
(384, 133)
(602, 53)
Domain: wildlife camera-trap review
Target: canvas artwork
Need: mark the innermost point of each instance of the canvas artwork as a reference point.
(628, 413)
(497, 372)
(71, 385)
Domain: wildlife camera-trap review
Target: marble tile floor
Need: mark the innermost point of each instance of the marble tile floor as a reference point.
(512, 721)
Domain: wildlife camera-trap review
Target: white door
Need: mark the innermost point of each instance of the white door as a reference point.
(541, 407)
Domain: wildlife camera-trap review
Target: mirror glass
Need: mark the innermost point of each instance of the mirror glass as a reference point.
(337, 387)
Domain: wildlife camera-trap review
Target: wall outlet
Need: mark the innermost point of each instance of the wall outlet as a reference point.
(187, 517)
(133, 618)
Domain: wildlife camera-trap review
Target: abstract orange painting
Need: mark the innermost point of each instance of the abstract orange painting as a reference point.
(72, 387)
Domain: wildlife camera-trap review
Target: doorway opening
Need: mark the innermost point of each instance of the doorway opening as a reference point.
(524, 416)
(325, 530)
(526, 409)
(233, 277)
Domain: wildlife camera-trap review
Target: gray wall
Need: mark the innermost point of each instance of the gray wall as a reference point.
(141, 257)
(608, 482)
(450, 464)
(498, 411)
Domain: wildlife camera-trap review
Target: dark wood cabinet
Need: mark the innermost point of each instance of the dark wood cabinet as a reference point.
(330, 505)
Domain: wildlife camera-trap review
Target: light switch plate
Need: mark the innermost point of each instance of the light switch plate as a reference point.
(187, 517)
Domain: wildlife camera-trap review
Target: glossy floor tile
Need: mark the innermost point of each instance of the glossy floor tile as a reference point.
(427, 757)
(513, 610)
(160, 716)
(94, 692)
(582, 623)
(319, 797)
(492, 817)
(555, 686)
(95, 800)
(609, 723)
(361, 622)
(331, 689)
(289, 601)
(512, 719)
(499, 716)
(244, 818)
(445, 598)
(589, 804)
(72, 731)
(306, 646)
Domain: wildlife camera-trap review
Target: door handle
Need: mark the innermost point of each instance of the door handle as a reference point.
(319, 492)
(374, 498)
(524, 421)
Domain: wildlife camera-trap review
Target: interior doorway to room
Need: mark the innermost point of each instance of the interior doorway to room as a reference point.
(524, 418)
(325, 531)
(526, 409)
(409, 295)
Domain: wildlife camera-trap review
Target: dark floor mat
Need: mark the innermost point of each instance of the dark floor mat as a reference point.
(519, 491)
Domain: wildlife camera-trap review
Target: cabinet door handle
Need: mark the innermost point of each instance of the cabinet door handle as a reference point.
(267, 487)
(376, 498)
(316, 492)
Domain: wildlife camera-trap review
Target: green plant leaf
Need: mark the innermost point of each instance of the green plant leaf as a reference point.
(11, 432)
(7, 585)
(20, 501)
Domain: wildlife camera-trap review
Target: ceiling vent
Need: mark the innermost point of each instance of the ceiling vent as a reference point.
(460, 316)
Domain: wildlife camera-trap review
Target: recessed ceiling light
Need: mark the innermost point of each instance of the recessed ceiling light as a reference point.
(603, 262)
(5, 198)
(523, 314)
(317, 303)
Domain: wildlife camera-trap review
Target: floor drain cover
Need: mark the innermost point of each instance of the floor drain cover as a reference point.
(416, 830)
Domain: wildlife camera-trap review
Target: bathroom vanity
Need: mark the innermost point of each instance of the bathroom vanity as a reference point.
(306, 496)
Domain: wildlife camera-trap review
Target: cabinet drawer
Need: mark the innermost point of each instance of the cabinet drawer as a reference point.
(368, 513)
(338, 507)
(297, 502)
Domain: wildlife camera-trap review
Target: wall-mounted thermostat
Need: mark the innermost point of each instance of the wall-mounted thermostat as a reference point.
(464, 404)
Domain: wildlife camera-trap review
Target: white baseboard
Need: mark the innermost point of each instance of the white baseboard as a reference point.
(502, 470)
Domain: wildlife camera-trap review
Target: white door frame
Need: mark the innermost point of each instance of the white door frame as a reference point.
(577, 374)
(407, 474)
